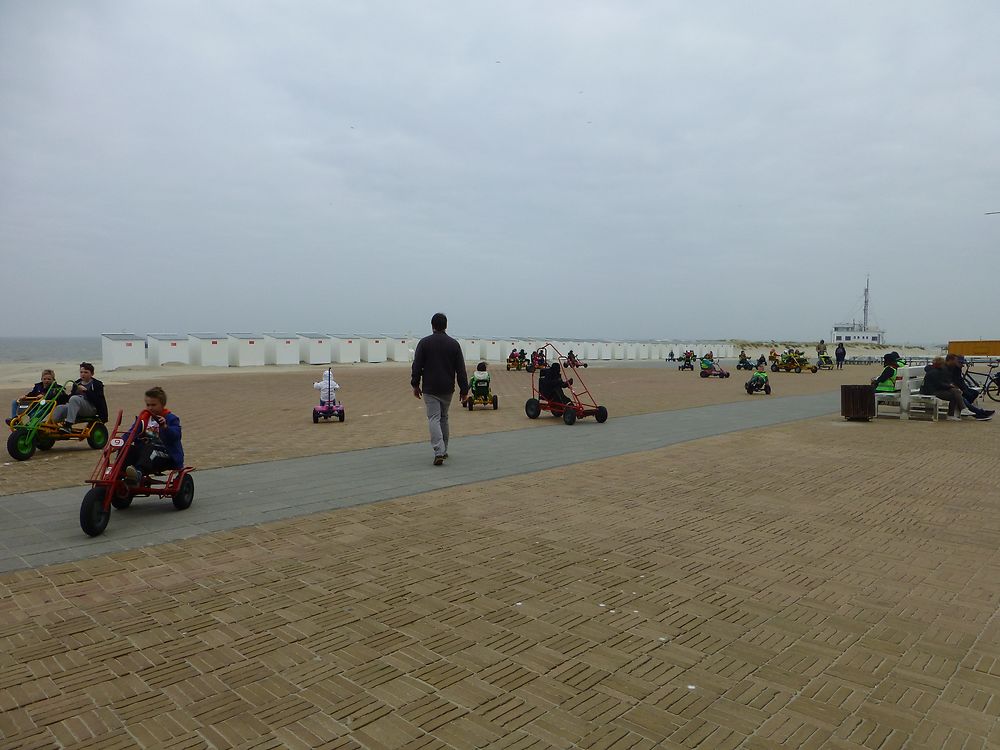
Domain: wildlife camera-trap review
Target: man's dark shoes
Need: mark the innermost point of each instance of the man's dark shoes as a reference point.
(438, 460)
(985, 416)
(66, 428)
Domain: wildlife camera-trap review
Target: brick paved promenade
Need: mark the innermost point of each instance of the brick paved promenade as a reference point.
(810, 584)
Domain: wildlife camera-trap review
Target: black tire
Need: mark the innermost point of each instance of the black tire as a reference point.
(814, 370)
(601, 415)
(343, 415)
(530, 368)
(774, 368)
(532, 408)
(993, 388)
(767, 390)
(98, 436)
(749, 389)
(44, 442)
(704, 373)
(93, 515)
(121, 503)
(569, 415)
(21, 445)
(496, 402)
(185, 494)
(315, 418)
(469, 403)
(797, 369)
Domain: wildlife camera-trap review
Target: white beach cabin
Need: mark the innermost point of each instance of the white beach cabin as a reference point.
(373, 349)
(122, 350)
(281, 349)
(470, 349)
(345, 350)
(398, 350)
(490, 350)
(314, 348)
(165, 347)
(208, 349)
(246, 350)
(592, 349)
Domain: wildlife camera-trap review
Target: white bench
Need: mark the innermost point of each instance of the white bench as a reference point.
(907, 399)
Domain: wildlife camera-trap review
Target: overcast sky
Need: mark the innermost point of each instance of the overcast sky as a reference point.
(565, 169)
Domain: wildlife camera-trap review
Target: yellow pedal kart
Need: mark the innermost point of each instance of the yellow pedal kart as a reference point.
(481, 394)
(35, 428)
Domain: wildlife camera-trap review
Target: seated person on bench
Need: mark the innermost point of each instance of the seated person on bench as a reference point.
(937, 382)
(885, 382)
(953, 364)
(157, 447)
(551, 384)
(86, 400)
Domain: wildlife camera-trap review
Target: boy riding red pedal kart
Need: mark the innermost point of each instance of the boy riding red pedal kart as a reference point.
(133, 462)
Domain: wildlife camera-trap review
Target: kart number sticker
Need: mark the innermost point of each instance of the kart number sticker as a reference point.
(117, 443)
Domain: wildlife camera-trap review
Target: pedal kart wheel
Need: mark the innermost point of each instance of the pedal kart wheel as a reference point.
(749, 389)
(814, 369)
(343, 415)
(496, 402)
(601, 415)
(532, 408)
(704, 373)
(121, 502)
(98, 436)
(21, 445)
(185, 494)
(44, 442)
(93, 516)
(774, 368)
(470, 403)
(315, 418)
(569, 415)
(767, 390)
(529, 368)
(797, 369)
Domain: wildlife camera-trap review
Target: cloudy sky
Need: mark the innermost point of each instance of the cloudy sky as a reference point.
(576, 169)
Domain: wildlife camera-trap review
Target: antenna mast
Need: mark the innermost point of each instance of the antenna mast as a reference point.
(866, 302)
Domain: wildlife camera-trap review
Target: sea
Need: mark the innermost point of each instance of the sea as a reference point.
(50, 349)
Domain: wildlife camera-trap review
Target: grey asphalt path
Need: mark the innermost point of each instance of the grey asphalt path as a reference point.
(41, 528)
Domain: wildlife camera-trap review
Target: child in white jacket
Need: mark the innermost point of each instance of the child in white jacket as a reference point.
(327, 388)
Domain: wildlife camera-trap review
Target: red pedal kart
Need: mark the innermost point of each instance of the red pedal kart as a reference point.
(109, 487)
(581, 402)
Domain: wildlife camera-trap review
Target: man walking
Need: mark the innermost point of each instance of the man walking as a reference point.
(438, 362)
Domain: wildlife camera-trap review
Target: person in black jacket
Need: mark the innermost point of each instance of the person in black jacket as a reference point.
(438, 362)
(87, 400)
(938, 382)
(551, 384)
(953, 363)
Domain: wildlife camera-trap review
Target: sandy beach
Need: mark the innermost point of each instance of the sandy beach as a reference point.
(236, 416)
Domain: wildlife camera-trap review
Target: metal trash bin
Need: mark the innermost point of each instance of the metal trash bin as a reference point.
(857, 402)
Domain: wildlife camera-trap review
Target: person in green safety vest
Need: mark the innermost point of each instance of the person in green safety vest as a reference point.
(886, 381)
(758, 381)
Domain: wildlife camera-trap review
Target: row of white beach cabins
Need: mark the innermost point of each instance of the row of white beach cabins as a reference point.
(252, 350)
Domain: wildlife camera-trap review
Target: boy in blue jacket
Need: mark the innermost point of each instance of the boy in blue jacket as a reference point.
(158, 446)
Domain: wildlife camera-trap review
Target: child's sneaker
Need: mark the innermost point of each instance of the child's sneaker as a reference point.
(132, 476)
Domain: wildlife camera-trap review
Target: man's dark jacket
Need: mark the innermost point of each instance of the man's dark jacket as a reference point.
(936, 379)
(438, 359)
